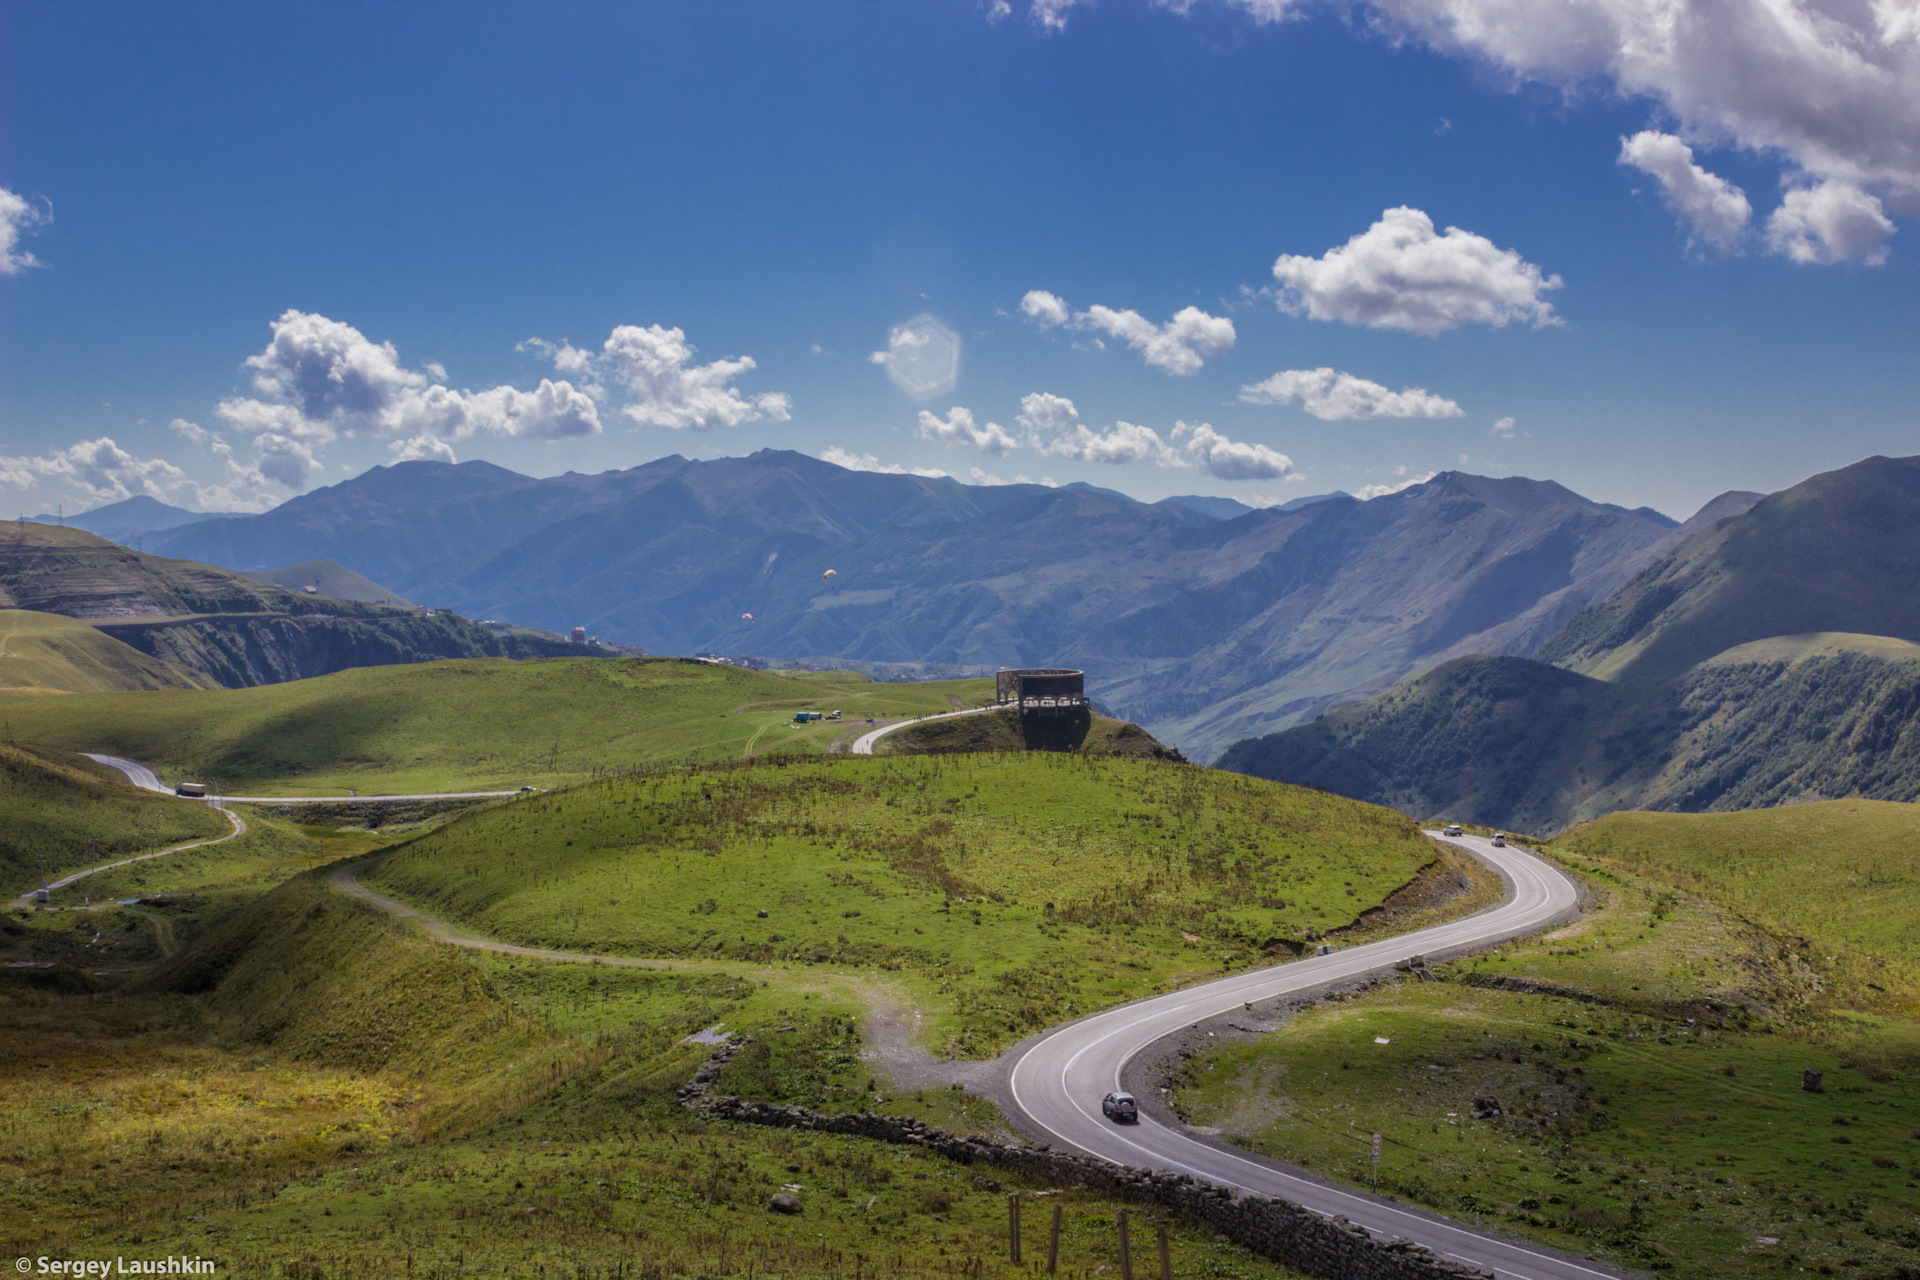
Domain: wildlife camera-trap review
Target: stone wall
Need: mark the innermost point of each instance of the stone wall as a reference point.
(1279, 1229)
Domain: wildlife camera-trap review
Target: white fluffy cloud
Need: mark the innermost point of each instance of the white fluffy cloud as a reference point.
(100, 469)
(1832, 222)
(1502, 429)
(867, 462)
(922, 357)
(1714, 211)
(1048, 15)
(958, 427)
(667, 388)
(18, 215)
(1045, 309)
(324, 380)
(1229, 459)
(1180, 346)
(1832, 86)
(1054, 428)
(1400, 274)
(1334, 396)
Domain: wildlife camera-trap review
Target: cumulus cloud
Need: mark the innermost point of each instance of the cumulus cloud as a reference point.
(1502, 429)
(324, 380)
(100, 469)
(1045, 309)
(18, 215)
(1054, 428)
(1714, 211)
(867, 462)
(666, 386)
(958, 427)
(1833, 88)
(1334, 396)
(1832, 222)
(1229, 459)
(1400, 274)
(1367, 492)
(1180, 346)
(922, 357)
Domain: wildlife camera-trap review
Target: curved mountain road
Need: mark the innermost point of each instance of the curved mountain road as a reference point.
(1058, 1079)
(863, 745)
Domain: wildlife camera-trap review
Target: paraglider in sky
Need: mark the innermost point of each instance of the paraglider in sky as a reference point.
(831, 573)
(747, 616)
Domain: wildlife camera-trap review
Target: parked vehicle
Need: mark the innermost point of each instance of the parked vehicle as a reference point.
(802, 717)
(833, 715)
(1453, 829)
(1119, 1106)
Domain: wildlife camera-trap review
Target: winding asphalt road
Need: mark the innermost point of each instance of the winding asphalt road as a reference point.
(1058, 1080)
(863, 745)
(141, 776)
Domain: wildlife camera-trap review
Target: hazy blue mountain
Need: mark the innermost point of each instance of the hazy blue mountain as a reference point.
(129, 517)
(1771, 656)
(1206, 628)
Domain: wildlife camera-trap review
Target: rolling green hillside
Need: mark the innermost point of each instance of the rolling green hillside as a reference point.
(67, 812)
(1009, 891)
(239, 631)
(1008, 731)
(50, 653)
(1842, 874)
(483, 724)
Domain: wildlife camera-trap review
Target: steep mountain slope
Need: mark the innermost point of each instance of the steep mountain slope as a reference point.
(238, 631)
(1772, 657)
(50, 653)
(1836, 552)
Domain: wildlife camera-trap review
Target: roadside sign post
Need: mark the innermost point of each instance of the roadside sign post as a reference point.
(1376, 1160)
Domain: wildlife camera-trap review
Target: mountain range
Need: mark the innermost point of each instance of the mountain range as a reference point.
(1205, 620)
(1772, 656)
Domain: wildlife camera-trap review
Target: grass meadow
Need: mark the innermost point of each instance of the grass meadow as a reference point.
(472, 724)
(1004, 893)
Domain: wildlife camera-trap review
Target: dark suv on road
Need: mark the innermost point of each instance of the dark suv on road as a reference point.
(1119, 1106)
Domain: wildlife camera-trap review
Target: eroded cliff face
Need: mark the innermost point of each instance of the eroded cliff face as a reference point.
(243, 649)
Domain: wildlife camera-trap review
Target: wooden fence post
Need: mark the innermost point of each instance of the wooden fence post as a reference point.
(1053, 1240)
(1166, 1262)
(1126, 1255)
(1013, 1228)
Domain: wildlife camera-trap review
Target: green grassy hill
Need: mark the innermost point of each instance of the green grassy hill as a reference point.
(49, 653)
(484, 724)
(74, 813)
(65, 570)
(1009, 891)
(1843, 875)
(1008, 731)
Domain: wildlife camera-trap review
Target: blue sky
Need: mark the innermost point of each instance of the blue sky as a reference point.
(430, 211)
